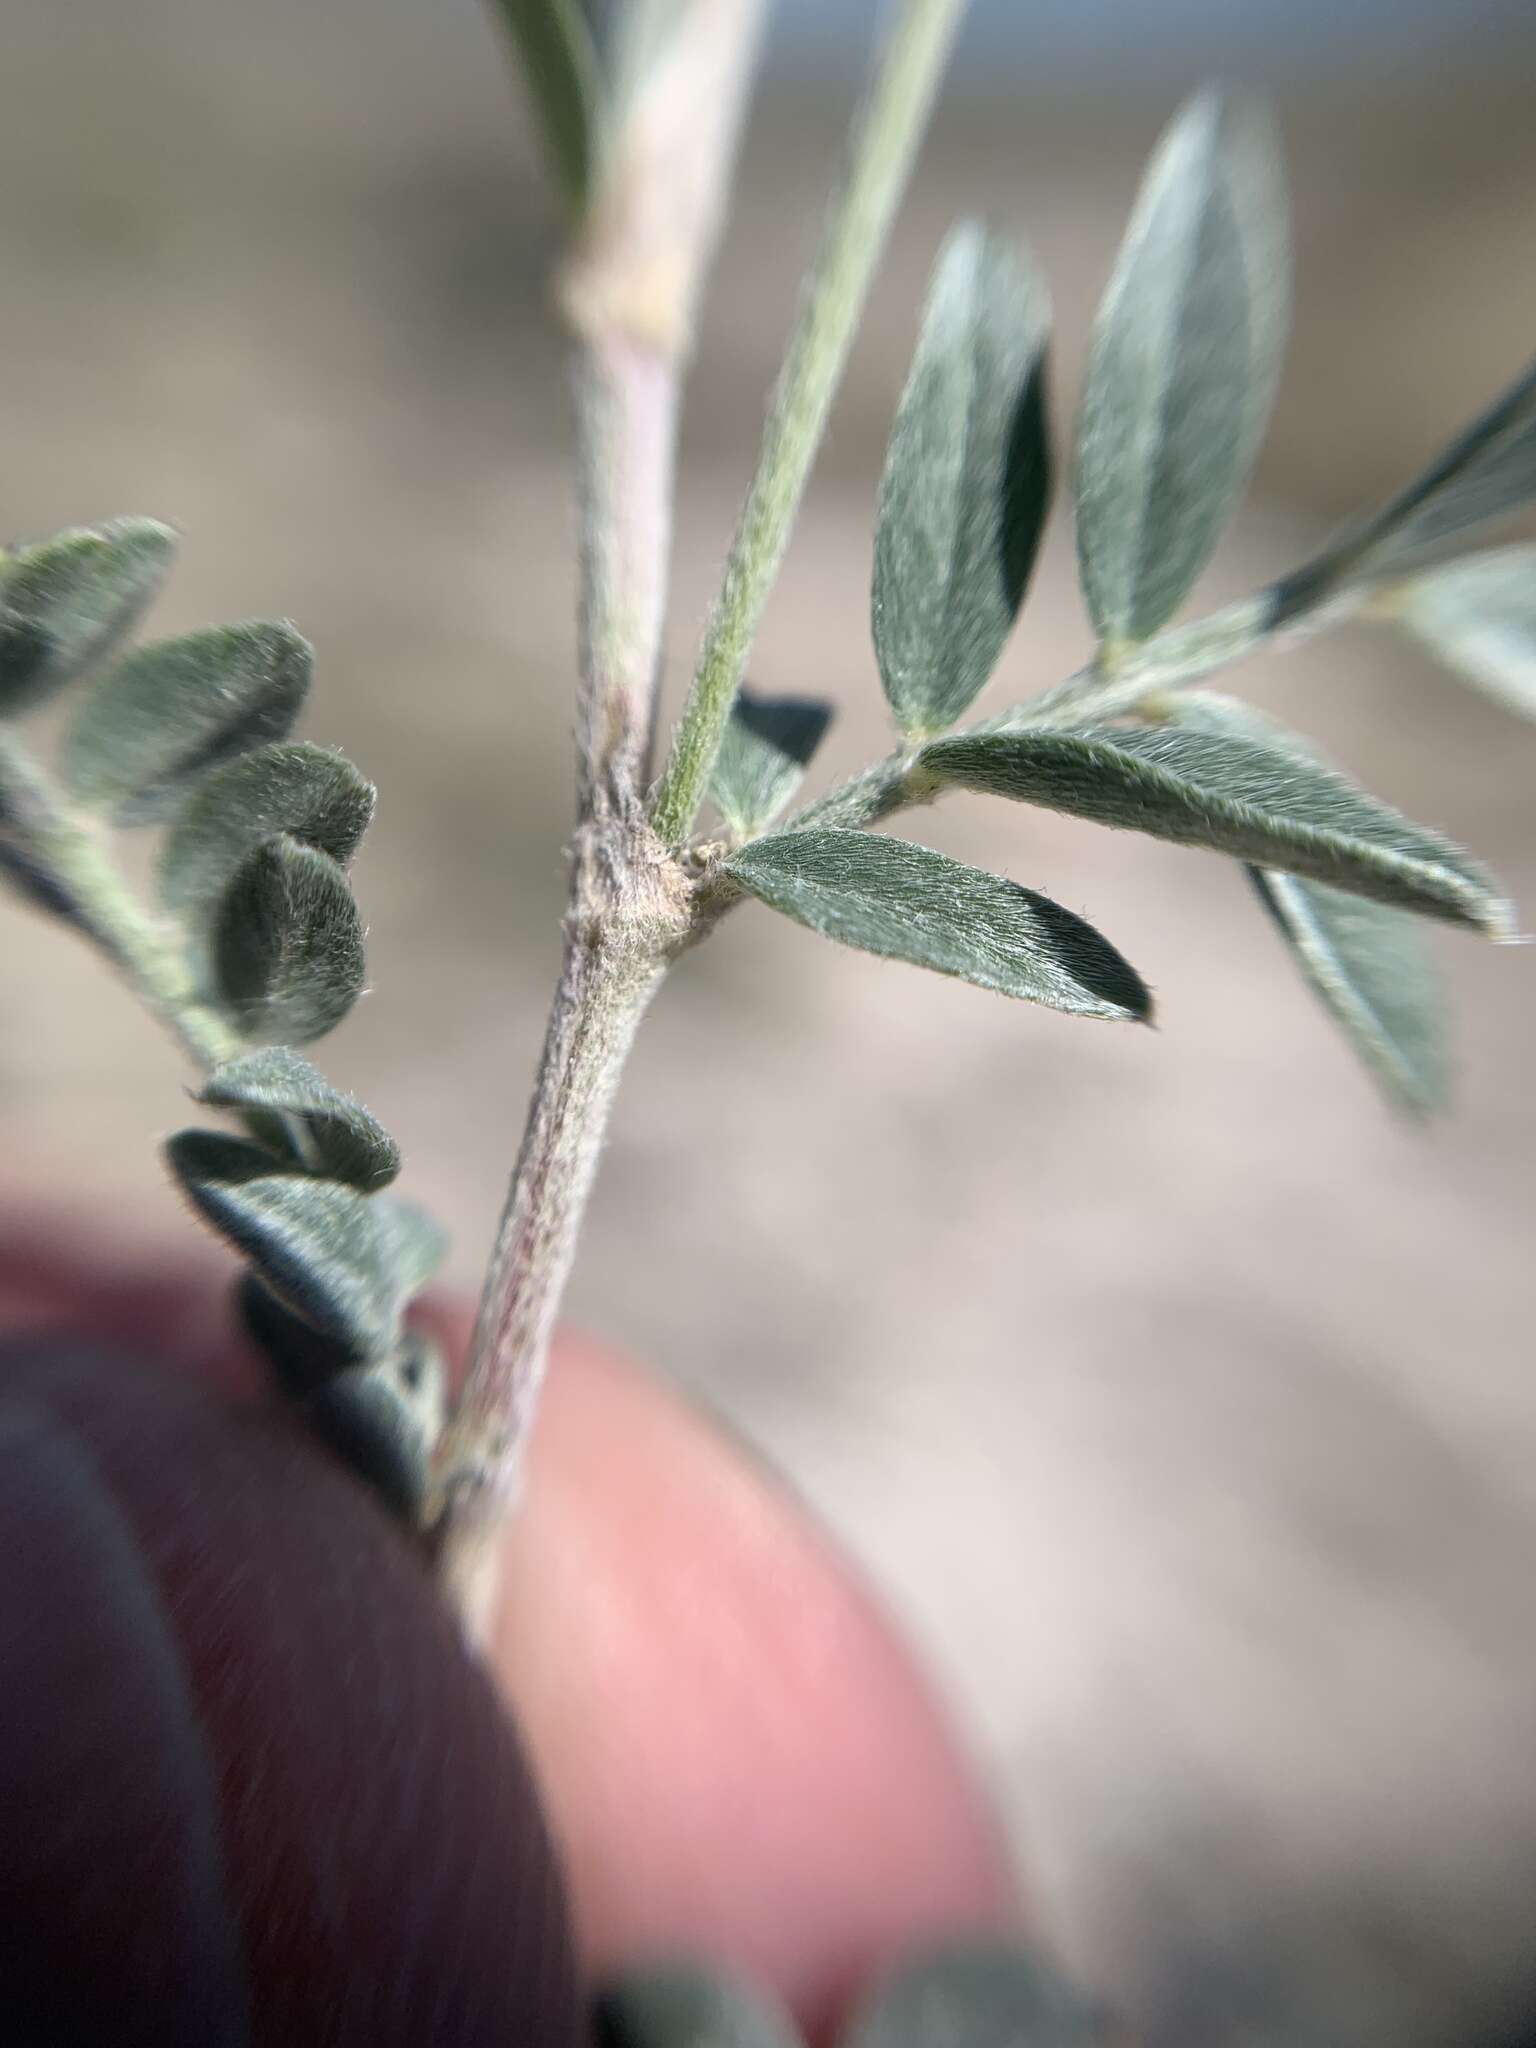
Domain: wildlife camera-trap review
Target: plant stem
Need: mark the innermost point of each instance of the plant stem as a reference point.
(629, 292)
(626, 403)
(68, 852)
(605, 984)
(884, 144)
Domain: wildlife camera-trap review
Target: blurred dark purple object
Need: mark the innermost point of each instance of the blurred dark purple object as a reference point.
(255, 1791)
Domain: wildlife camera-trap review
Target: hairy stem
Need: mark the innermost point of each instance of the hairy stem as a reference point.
(629, 291)
(884, 143)
(604, 987)
(68, 853)
(626, 401)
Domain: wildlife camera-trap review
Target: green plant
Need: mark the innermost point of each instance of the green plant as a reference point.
(254, 946)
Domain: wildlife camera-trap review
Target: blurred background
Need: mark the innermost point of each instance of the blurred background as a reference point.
(1178, 1401)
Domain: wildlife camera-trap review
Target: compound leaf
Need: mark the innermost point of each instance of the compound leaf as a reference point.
(966, 484)
(1487, 472)
(339, 1139)
(300, 1358)
(905, 902)
(1263, 803)
(308, 793)
(1182, 367)
(1371, 971)
(1367, 964)
(764, 751)
(64, 602)
(1479, 617)
(384, 1420)
(381, 1417)
(177, 708)
(287, 944)
(315, 1243)
(416, 1244)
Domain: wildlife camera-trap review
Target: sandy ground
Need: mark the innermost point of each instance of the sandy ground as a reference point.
(1179, 1401)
